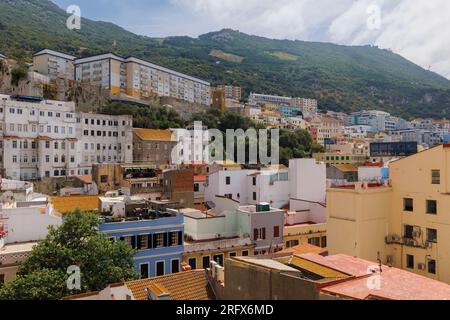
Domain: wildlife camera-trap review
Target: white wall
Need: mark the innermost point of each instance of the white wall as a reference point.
(369, 174)
(308, 179)
(238, 185)
(29, 224)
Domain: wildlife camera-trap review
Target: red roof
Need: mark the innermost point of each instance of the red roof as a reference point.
(394, 284)
(85, 179)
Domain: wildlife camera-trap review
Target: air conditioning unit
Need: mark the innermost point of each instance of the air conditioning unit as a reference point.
(428, 245)
(411, 242)
(393, 239)
(421, 266)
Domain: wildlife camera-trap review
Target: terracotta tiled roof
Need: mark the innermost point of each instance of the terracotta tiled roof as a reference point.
(304, 248)
(153, 135)
(85, 179)
(68, 204)
(188, 285)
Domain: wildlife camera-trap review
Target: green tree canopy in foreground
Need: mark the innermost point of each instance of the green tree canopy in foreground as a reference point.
(76, 242)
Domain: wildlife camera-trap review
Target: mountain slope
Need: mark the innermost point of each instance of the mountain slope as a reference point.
(343, 78)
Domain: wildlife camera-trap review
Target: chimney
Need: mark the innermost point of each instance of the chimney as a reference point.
(157, 292)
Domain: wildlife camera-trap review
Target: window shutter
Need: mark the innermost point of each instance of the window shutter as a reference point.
(154, 241)
(264, 233)
(180, 238)
(166, 239)
(139, 238)
(255, 234)
(133, 242)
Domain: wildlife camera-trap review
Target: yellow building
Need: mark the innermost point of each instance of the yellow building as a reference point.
(140, 79)
(405, 224)
(311, 233)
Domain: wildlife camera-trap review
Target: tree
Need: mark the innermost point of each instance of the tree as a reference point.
(76, 242)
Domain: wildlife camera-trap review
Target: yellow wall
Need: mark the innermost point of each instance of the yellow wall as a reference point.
(303, 233)
(359, 220)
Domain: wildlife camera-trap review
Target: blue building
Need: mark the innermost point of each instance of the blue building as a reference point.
(289, 112)
(157, 236)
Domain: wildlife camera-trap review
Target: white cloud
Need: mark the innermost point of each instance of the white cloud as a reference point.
(417, 29)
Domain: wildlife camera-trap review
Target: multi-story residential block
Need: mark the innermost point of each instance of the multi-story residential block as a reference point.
(405, 222)
(153, 146)
(308, 107)
(54, 64)
(231, 92)
(43, 138)
(379, 121)
(157, 235)
(290, 111)
(140, 79)
(256, 99)
(325, 128)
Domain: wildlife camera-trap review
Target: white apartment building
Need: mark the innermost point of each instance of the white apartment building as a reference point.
(50, 139)
(54, 64)
(256, 99)
(140, 79)
(379, 121)
(250, 187)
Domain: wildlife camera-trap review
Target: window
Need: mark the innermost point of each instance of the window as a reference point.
(160, 269)
(276, 232)
(219, 259)
(254, 181)
(245, 253)
(144, 271)
(292, 243)
(409, 261)
(431, 207)
(233, 254)
(254, 196)
(435, 176)
(175, 266)
(158, 240)
(228, 181)
(408, 204)
(432, 235)
(143, 242)
(196, 187)
(259, 234)
(432, 266)
(205, 262)
(131, 240)
(103, 179)
(409, 232)
(176, 239)
(324, 242)
(314, 241)
(193, 263)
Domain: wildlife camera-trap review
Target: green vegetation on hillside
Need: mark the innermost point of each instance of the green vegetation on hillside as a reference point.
(342, 78)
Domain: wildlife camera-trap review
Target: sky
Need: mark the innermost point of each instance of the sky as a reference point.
(419, 30)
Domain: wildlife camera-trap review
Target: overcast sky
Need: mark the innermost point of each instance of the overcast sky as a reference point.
(417, 29)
